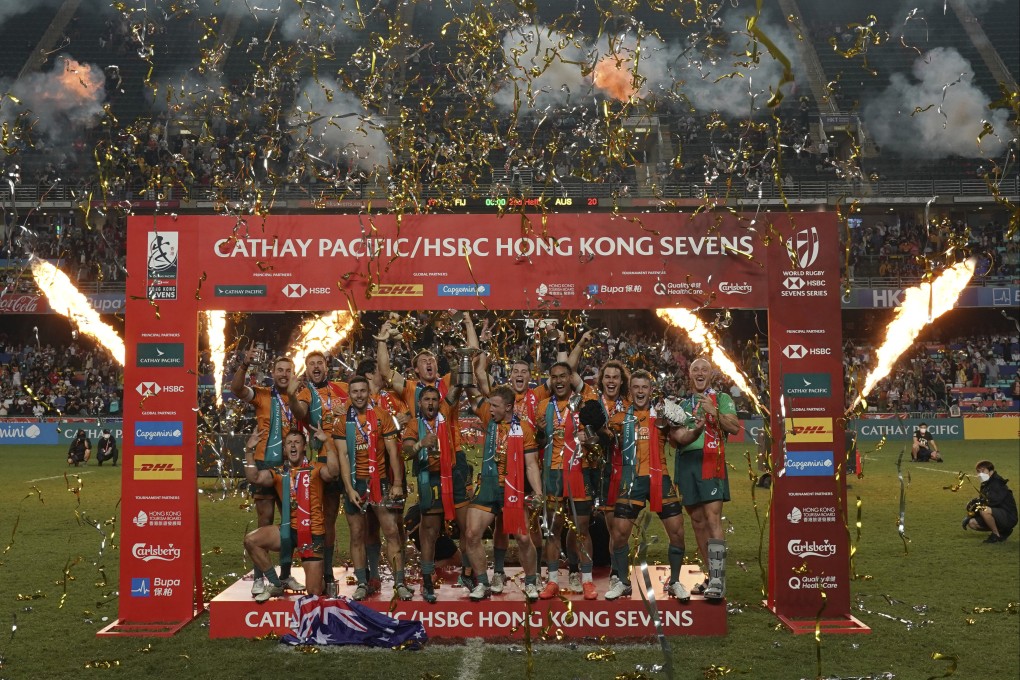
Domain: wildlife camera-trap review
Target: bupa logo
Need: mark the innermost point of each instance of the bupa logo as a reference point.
(294, 290)
(140, 587)
(804, 246)
(399, 290)
(793, 283)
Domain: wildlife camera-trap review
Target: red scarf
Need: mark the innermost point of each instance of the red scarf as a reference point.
(713, 461)
(301, 504)
(530, 403)
(616, 454)
(573, 461)
(514, 519)
(654, 462)
(372, 425)
(446, 454)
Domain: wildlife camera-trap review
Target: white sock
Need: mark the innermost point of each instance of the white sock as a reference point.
(554, 575)
(585, 577)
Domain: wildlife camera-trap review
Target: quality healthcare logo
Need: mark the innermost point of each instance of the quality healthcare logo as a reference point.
(159, 433)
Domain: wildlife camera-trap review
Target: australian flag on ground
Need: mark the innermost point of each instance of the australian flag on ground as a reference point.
(328, 621)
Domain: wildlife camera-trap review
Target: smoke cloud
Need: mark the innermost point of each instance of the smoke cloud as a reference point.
(341, 128)
(940, 73)
(546, 68)
(558, 68)
(61, 101)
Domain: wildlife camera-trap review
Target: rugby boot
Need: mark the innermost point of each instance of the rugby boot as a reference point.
(618, 589)
(679, 591)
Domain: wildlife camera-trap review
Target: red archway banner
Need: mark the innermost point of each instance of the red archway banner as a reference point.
(786, 263)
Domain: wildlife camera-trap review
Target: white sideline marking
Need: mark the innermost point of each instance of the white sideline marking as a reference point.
(948, 472)
(471, 661)
(43, 479)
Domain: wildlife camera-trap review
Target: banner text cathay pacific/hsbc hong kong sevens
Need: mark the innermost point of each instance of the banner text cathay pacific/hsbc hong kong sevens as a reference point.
(484, 246)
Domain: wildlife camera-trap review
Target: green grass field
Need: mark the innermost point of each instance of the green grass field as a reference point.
(953, 590)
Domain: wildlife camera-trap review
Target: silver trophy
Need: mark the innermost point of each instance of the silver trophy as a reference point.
(465, 371)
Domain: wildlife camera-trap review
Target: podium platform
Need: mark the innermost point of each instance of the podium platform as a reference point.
(233, 613)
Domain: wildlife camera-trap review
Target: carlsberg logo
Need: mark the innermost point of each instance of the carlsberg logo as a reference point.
(148, 553)
(802, 548)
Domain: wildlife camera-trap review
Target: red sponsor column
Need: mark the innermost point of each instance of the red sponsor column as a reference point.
(159, 545)
(808, 545)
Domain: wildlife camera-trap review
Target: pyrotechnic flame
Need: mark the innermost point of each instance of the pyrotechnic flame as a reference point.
(323, 332)
(921, 305)
(65, 299)
(612, 75)
(216, 333)
(697, 331)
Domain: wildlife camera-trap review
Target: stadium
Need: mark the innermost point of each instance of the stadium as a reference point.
(819, 200)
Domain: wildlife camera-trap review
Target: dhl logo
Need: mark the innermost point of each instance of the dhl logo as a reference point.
(158, 467)
(808, 430)
(398, 290)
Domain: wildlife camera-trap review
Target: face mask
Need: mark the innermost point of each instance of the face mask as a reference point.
(984, 476)
(106, 436)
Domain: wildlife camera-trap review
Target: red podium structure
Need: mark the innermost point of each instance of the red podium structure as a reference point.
(233, 613)
(784, 262)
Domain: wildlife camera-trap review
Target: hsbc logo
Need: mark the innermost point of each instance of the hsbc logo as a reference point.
(151, 389)
(793, 283)
(794, 352)
(800, 351)
(804, 247)
(295, 290)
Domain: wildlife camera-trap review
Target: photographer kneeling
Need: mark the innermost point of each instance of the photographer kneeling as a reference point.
(995, 509)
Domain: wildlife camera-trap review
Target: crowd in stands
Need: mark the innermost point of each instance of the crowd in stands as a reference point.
(896, 247)
(86, 254)
(974, 374)
(43, 380)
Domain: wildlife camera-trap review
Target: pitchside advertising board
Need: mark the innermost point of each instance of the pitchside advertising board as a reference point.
(327, 262)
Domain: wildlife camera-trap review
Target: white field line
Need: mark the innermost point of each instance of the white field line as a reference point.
(43, 479)
(471, 661)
